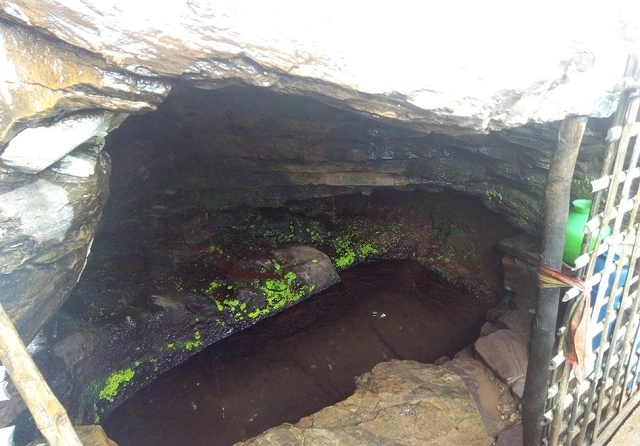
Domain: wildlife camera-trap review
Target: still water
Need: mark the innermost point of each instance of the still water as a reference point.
(293, 364)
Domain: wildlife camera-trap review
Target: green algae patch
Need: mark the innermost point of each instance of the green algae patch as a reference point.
(348, 250)
(213, 288)
(197, 341)
(188, 345)
(233, 306)
(279, 293)
(113, 383)
(276, 293)
(493, 194)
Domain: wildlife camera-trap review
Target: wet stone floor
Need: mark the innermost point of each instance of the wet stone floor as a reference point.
(305, 358)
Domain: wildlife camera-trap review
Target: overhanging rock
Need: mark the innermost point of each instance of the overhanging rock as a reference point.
(436, 68)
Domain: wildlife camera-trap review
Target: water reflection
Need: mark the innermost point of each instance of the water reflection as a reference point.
(301, 360)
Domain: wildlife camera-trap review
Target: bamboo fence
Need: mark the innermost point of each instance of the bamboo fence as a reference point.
(588, 411)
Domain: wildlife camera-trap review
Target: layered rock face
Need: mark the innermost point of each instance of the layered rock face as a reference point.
(438, 67)
(342, 99)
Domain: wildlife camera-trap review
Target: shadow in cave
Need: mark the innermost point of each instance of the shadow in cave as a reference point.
(303, 359)
(199, 202)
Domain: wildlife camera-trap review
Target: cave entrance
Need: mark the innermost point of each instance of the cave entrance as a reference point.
(210, 228)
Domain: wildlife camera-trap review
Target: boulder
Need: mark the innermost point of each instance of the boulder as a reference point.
(310, 266)
(505, 353)
(399, 403)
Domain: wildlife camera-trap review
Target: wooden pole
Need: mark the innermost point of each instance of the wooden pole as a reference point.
(48, 413)
(556, 203)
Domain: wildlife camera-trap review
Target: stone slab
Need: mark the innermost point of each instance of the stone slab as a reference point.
(492, 397)
(505, 353)
(518, 321)
(397, 403)
(511, 436)
(520, 277)
(522, 246)
(517, 388)
(487, 328)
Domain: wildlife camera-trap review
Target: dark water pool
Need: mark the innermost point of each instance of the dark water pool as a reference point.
(301, 360)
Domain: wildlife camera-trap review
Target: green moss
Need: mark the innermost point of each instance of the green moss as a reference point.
(279, 293)
(233, 306)
(113, 383)
(366, 250)
(212, 288)
(215, 249)
(493, 194)
(345, 253)
(349, 251)
(195, 343)
(189, 345)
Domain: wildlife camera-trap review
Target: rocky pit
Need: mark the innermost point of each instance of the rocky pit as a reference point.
(279, 156)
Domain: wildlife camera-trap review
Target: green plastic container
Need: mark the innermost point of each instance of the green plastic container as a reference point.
(575, 231)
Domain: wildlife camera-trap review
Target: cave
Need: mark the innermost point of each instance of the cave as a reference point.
(171, 185)
(229, 206)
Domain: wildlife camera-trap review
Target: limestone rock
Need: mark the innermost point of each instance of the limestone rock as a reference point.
(433, 67)
(511, 436)
(520, 277)
(311, 266)
(397, 403)
(491, 396)
(519, 322)
(43, 79)
(47, 224)
(260, 146)
(25, 151)
(505, 353)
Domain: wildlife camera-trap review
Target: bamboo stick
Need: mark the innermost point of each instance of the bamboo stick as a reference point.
(49, 415)
(557, 197)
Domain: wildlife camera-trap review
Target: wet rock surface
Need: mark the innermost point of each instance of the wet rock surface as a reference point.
(48, 222)
(72, 70)
(252, 146)
(495, 404)
(505, 353)
(397, 403)
(207, 275)
(44, 80)
(578, 70)
(301, 360)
